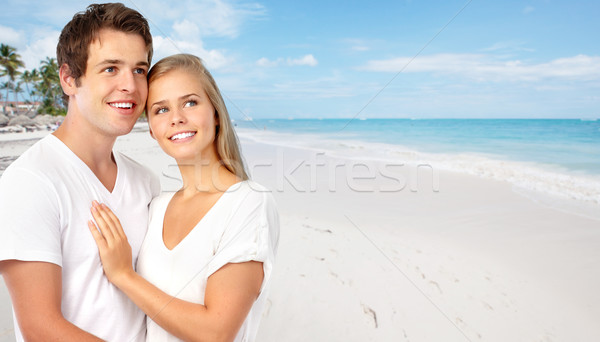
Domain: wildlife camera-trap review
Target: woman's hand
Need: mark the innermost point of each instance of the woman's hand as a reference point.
(115, 251)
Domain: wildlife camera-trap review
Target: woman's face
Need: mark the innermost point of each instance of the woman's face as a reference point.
(181, 117)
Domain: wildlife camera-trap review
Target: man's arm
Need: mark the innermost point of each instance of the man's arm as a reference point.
(35, 290)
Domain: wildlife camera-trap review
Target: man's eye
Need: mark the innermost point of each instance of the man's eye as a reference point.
(109, 69)
(140, 71)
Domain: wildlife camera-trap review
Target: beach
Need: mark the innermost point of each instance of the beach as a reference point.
(406, 250)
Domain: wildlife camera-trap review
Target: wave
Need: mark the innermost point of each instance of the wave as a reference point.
(541, 178)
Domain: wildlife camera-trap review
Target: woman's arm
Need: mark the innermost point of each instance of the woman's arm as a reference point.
(230, 291)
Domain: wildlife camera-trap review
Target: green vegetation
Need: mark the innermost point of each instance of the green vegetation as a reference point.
(41, 85)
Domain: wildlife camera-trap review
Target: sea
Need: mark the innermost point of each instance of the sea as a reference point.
(552, 156)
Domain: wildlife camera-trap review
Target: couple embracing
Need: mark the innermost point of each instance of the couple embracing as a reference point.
(89, 248)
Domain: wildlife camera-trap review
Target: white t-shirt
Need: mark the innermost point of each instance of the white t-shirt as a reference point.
(45, 200)
(243, 225)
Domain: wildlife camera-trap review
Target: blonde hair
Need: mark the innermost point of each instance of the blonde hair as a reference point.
(226, 141)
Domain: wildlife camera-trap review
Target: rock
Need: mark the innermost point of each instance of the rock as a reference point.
(3, 120)
(21, 120)
(32, 114)
(12, 129)
(48, 120)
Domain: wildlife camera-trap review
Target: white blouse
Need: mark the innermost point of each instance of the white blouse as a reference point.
(243, 225)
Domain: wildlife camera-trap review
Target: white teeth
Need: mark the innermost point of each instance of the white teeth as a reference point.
(182, 135)
(122, 104)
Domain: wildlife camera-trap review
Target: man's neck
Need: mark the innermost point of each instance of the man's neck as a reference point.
(93, 148)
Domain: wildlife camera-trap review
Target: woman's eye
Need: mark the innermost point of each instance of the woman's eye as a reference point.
(190, 103)
(161, 110)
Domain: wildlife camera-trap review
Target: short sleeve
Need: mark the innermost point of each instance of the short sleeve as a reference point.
(29, 218)
(252, 234)
(154, 185)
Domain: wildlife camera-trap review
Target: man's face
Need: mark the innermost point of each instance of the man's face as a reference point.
(112, 93)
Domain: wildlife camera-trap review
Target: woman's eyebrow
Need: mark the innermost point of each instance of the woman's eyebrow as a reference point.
(157, 103)
(188, 95)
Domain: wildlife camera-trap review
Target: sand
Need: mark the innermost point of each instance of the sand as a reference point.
(374, 252)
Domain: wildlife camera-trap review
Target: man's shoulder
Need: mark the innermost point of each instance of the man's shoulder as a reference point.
(33, 177)
(134, 168)
(138, 173)
(129, 162)
(38, 159)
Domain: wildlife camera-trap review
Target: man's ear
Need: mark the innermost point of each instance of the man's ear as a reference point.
(67, 82)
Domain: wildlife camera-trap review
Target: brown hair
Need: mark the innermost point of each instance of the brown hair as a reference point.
(83, 29)
(226, 141)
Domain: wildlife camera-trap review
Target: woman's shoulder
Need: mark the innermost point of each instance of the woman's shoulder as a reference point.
(162, 199)
(251, 199)
(250, 189)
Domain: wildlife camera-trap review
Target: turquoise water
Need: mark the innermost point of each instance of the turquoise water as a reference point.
(571, 146)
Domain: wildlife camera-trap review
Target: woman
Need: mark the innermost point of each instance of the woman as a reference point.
(209, 249)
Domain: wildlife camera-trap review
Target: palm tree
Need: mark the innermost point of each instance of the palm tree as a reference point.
(17, 90)
(50, 88)
(34, 77)
(10, 61)
(8, 86)
(26, 78)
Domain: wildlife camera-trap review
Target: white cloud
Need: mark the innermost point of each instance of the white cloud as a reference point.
(55, 14)
(10, 36)
(186, 30)
(43, 46)
(192, 21)
(483, 67)
(508, 46)
(218, 18)
(186, 23)
(528, 9)
(307, 60)
(213, 59)
(33, 48)
(360, 48)
(357, 44)
(265, 62)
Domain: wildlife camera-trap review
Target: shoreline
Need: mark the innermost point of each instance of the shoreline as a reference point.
(559, 188)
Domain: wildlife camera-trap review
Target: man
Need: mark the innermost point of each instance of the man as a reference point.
(48, 257)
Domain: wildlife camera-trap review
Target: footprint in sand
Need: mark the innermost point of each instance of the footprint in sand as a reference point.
(328, 231)
(436, 285)
(371, 313)
(487, 306)
(337, 277)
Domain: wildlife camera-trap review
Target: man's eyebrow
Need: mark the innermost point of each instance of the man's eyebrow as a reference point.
(120, 62)
(110, 61)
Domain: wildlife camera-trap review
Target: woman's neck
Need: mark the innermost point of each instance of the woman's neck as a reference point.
(205, 176)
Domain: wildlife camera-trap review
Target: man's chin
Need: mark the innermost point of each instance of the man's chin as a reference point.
(123, 128)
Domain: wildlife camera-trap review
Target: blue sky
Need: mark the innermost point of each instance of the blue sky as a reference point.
(328, 59)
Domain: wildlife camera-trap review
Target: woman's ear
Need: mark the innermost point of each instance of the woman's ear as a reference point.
(67, 82)
(217, 126)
